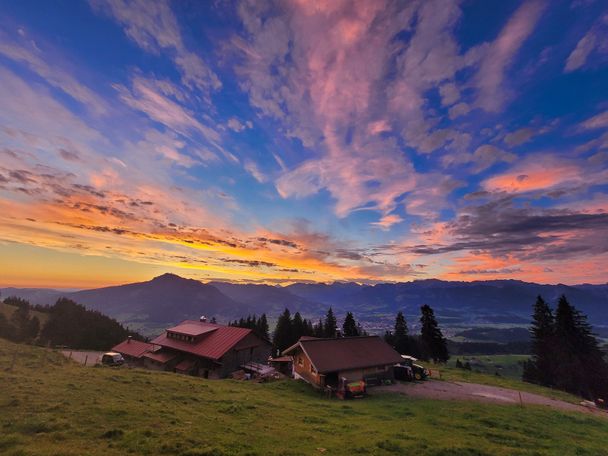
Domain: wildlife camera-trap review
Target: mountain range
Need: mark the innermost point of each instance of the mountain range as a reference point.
(153, 305)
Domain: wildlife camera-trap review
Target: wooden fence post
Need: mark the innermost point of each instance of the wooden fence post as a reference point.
(86, 358)
(521, 402)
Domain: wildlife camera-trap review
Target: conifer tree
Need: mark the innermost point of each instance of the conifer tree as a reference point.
(283, 333)
(400, 336)
(262, 327)
(319, 330)
(434, 344)
(541, 367)
(331, 325)
(297, 326)
(349, 327)
(582, 368)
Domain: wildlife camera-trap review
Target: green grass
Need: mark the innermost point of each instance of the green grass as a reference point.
(51, 406)
(509, 366)
(8, 311)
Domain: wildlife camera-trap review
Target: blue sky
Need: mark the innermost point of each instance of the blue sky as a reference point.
(283, 141)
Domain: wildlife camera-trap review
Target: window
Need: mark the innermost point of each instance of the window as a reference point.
(300, 361)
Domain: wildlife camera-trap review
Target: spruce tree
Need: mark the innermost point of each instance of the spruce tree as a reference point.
(400, 336)
(331, 325)
(319, 330)
(349, 327)
(541, 367)
(262, 327)
(434, 344)
(283, 334)
(297, 326)
(582, 369)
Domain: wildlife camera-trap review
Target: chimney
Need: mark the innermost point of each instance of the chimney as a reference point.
(129, 339)
(203, 319)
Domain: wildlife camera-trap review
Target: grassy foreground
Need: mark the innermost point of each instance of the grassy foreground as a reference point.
(51, 406)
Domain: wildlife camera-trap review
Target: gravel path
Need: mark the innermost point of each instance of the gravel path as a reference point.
(434, 389)
(82, 357)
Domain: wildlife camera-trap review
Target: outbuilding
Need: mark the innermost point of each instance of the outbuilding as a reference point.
(324, 362)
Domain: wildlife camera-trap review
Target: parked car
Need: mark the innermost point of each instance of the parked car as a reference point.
(418, 372)
(112, 359)
(404, 373)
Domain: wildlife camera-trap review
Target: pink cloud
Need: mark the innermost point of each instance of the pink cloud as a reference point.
(499, 55)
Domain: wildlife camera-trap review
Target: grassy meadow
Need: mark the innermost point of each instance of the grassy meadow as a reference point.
(8, 311)
(52, 406)
(483, 372)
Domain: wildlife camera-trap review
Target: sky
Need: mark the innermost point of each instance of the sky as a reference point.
(273, 142)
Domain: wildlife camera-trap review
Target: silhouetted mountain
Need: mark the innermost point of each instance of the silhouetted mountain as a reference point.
(151, 306)
(163, 300)
(269, 299)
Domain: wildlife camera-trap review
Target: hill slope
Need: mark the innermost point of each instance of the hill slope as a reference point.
(109, 412)
(152, 305)
(164, 300)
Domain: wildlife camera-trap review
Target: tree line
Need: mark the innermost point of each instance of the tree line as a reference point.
(289, 329)
(258, 325)
(430, 344)
(565, 353)
(67, 323)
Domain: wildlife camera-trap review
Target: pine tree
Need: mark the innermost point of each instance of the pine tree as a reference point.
(262, 327)
(319, 330)
(541, 367)
(297, 326)
(283, 333)
(349, 327)
(582, 368)
(434, 344)
(331, 325)
(400, 335)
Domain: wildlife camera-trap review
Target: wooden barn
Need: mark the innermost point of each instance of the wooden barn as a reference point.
(322, 362)
(133, 351)
(199, 348)
(209, 350)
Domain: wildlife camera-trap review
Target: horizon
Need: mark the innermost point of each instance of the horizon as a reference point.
(285, 284)
(286, 142)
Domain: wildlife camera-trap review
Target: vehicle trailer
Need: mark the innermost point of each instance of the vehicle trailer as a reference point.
(351, 390)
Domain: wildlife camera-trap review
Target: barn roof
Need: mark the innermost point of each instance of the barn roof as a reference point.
(213, 341)
(331, 355)
(161, 356)
(134, 348)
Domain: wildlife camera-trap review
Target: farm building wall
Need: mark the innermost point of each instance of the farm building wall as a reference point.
(250, 348)
(302, 367)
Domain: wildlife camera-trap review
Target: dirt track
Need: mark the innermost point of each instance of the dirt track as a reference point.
(434, 389)
(88, 358)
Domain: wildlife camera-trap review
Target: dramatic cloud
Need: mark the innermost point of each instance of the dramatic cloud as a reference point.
(501, 53)
(595, 40)
(272, 141)
(154, 27)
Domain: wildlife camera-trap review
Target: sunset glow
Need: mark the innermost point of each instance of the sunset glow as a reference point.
(289, 141)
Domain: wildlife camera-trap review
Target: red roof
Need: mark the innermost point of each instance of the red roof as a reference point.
(133, 348)
(185, 365)
(214, 342)
(161, 356)
(331, 355)
(191, 329)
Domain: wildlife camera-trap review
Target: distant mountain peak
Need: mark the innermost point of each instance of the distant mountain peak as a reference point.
(168, 276)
